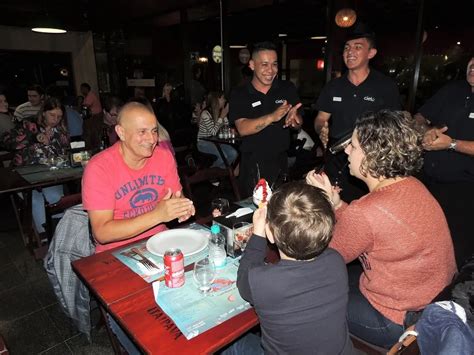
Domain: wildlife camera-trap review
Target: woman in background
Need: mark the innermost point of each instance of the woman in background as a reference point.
(6, 118)
(212, 118)
(38, 142)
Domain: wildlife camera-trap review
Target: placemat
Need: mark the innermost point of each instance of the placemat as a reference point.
(127, 257)
(194, 313)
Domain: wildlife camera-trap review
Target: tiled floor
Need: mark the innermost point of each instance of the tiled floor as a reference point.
(31, 320)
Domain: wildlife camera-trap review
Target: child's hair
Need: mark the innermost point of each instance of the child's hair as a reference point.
(301, 219)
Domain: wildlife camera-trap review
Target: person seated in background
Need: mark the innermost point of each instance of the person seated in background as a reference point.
(112, 106)
(32, 106)
(39, 142)
(164, 139)
(74, 119)
(398, 230)
(301, 301)
(6, 118)
(213, 118)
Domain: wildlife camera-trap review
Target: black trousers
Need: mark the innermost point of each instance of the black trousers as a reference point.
(267, 165)
(457, 201)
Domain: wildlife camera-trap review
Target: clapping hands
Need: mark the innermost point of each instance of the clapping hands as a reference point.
(322, 181)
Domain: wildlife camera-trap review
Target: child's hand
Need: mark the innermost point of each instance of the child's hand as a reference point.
(259, 217)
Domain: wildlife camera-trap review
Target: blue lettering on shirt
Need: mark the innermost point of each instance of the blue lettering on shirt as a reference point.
(137, 184)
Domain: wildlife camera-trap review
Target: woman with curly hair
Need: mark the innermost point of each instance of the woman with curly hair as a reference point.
(398, 231)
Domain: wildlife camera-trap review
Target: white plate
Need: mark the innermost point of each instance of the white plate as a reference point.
(190, 241)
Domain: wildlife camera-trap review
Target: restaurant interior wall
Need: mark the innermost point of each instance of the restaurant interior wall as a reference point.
(17, 70)
(79, 44)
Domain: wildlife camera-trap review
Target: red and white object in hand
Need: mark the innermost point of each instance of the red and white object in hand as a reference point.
(261, 193)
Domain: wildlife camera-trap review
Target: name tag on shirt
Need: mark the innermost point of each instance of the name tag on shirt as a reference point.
(337, 98)
(256, 103)
(471, 115)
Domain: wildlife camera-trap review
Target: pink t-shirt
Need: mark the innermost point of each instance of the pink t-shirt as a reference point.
(93, 102)
(109, 184)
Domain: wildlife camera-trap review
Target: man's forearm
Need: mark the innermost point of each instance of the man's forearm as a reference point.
(247, 127)
(122, 229)
(465, 147)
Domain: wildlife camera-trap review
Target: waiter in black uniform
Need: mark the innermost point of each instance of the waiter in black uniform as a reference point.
(449, 160)
(263, 110)
(343, 99)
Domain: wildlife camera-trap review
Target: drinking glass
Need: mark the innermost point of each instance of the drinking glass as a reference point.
(219, 207)
(242, 231)
(204, 274)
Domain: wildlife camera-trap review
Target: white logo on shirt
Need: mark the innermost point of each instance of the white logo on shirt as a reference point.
(337, 98)
(279, 101)
(369, 98)
(471, 115)
(256, 103)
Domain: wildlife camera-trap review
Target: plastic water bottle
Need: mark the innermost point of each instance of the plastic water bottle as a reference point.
(217, 251)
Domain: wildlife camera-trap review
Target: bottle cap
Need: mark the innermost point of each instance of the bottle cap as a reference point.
(215, 229)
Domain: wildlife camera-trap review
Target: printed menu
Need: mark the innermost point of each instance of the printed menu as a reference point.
(193, 312)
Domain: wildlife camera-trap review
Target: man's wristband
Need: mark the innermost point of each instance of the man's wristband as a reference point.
(453, 145)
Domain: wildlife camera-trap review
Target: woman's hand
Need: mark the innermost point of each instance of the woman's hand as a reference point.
(322, 181)
(224, 111)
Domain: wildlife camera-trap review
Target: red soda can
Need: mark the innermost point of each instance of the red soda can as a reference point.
(174, 268)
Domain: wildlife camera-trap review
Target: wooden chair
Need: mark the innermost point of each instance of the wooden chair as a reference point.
(54, 208)
(6, 158)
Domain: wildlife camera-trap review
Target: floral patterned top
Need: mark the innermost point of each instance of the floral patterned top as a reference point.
(25, 141)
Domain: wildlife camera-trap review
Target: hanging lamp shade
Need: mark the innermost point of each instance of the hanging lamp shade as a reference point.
(47, 24)
(345, 17)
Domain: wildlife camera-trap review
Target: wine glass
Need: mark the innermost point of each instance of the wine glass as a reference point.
(204, 274)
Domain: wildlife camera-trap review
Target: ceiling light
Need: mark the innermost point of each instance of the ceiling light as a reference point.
(238, 46)
(48, 24)
(345, 17)
(48, 30)
(319, 37)
(458, 43)
(282, 35)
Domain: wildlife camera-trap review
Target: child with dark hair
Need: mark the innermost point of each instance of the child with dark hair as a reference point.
(301, 300)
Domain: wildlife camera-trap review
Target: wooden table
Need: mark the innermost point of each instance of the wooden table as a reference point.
(12, 181)
(129, 299)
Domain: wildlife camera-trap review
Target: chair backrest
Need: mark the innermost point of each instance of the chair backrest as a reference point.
(6, 158)
(54, 208)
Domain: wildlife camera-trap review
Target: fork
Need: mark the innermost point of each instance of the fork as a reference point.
(144, 260)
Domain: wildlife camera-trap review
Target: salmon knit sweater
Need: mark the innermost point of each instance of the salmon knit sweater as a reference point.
(402, 239)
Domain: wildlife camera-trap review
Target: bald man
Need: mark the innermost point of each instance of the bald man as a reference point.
(132, 188)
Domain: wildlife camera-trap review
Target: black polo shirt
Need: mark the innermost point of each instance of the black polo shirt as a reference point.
(247, 102)
(452, 106)
(346, 101)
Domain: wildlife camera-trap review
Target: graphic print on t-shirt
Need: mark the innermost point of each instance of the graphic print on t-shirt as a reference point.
(142, 194)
